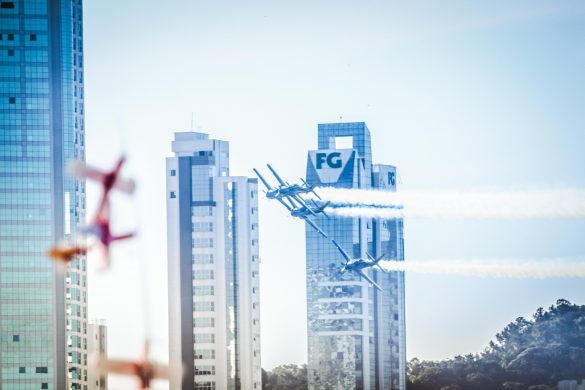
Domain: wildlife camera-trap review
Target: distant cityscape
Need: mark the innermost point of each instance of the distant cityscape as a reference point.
(356, 334)
(356, 329)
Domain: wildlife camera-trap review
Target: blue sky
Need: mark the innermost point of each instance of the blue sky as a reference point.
(458, 95)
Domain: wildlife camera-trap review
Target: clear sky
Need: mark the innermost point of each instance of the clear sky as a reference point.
(457, 94)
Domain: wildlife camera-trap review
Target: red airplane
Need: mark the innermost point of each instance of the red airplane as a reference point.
(109, 179)
(100, 228)
(66, 253)
(145, 370)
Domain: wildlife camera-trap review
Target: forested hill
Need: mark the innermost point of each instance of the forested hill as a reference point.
(529, 354)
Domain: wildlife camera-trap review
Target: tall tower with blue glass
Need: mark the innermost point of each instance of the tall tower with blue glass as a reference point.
(356, 334)
(43, 312)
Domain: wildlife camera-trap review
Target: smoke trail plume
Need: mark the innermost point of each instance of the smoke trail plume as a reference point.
(538, 269)
(560, 203)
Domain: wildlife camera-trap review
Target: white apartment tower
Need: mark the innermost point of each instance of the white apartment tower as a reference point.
(97, 345)
(213, 264)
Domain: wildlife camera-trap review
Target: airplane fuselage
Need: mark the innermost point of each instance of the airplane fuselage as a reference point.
(358, 264)
(282, 192)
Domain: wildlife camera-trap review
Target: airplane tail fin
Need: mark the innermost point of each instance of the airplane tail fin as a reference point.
(378, 261)
(324, 207)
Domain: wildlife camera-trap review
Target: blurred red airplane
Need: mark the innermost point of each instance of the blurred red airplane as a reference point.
(145, 370)
(100, 228)
(66, 253)
(109, 179)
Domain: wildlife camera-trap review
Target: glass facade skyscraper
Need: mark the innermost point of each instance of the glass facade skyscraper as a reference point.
(43, 312)
(356, 334)
(213, 268)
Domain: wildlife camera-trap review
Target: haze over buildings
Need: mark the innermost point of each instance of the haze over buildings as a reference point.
(213, 268)
(43, 312)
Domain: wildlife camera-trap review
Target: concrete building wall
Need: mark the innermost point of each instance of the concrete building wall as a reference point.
(212, 219)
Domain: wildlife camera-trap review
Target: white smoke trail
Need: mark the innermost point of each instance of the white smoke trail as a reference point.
(558, 203)
(538, 269)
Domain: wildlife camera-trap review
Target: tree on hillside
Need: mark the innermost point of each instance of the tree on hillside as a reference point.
(527, 354)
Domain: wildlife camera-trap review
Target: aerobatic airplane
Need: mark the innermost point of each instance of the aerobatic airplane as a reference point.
(303, 212)
(109, 180)
(284, 189)
(66, 253)
(100, 228)
(357, 265)
(143, 369)
(289, 195)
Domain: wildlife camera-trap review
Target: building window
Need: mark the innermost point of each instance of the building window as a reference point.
(205, 322)
(16, 338)
(173, 195)
(203, 258)
(204, 338)
(10, 51)
(22, 370)
(173, 172)
(203, 274)
(201, 211)
(7, 5)
(203, 243)
(200, 291)
(204, 386)
(202, 227)
(33, 37)
(44, 386)
(42, 370)
(203, 306)
(204, 370)
(11, 37)
(204, 354)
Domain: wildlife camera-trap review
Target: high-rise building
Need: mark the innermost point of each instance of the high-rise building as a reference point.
(97, 345)
(356, 334)
(43, 313)
(213, 264)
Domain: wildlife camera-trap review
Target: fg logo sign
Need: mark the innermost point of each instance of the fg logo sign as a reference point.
(329, 164)
(333, 160)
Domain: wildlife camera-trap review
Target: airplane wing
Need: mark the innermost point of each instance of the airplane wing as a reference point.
(299, 199)
(342, 251)
(284, 204)
(314, 226)
(363, 275)
(291, 200)
(123, 367)
(262, 179)
(282, 183)
(125, 185)
(81, 170)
